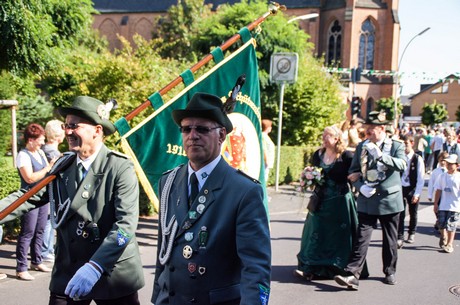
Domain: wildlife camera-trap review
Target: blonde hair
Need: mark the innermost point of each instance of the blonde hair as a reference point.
(340, 145)
(53, 130)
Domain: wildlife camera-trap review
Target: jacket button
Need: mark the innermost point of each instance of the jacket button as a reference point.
(172, 293)
(193, 300)
(171, 268)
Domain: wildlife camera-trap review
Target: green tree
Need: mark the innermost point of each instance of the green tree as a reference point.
(457, 114)
(388, 105)
(33, 32)
(130, 76)
(176, 29)
(434, 113)
(310, 104)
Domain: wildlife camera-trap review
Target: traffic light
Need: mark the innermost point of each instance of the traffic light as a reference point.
(355, 106)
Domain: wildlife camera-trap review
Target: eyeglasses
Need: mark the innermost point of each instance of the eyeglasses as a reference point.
(199, 129)
(71, 126)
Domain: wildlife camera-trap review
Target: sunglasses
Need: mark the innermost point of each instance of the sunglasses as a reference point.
(198, 128)
(71, 126)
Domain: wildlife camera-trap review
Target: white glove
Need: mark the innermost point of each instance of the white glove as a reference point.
(367, 191)
(373, 149)
(83, 281)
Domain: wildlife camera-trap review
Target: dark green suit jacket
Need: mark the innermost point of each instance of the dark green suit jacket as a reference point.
(231, 261)
(108, 197)
(388, 197)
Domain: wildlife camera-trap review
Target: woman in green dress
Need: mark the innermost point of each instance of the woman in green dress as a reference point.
(329, 232)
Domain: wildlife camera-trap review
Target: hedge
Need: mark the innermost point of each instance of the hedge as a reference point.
(9, 182)
(293, 160)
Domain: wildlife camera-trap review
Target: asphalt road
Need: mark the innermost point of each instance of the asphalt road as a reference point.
(425, 275)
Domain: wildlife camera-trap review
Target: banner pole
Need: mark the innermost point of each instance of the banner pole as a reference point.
(273, 9)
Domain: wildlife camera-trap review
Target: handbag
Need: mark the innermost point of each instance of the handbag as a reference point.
(314, 203)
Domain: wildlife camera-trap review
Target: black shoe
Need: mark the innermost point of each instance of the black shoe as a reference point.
(350, 281)
(390, 279)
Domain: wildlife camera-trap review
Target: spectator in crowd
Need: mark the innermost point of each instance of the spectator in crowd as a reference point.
(353, 134)
(213, 238)
(434, 176)
(450, 144)
(32, 166)
(427, 156)
(419, 142)
(54, 136)
(329, 232)
(447, 203)
(412, 181)
(96, 200)
(268, 147)
(375, 172)
(436, 145)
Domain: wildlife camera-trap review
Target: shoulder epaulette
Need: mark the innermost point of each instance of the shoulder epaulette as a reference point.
(247, 176)
(119, 154)
(170, 170)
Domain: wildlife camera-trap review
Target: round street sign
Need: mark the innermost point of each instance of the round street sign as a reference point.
(283, 67)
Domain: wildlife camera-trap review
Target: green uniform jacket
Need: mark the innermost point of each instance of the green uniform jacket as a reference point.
(388, 197)
(227, 229)
(109, 198)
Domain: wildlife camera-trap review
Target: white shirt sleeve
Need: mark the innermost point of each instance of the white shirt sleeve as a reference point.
(420, 176)
(23, 159)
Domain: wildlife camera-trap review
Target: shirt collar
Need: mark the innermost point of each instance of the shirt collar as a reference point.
(203, 173)
(88, 161)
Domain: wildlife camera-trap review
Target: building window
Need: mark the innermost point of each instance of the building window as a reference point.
(441, 89)
(334, 43)
(367, 46)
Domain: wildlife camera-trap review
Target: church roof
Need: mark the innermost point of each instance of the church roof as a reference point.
(149, 6)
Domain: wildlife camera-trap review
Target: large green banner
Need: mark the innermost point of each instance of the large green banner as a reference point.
(156, 143)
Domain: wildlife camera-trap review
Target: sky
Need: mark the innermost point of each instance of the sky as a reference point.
(436, 53)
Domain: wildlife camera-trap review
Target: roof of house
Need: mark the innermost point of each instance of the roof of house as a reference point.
(430, 87)
(144, 6)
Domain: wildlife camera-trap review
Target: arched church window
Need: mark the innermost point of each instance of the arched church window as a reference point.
(367, 45)
(334, 43)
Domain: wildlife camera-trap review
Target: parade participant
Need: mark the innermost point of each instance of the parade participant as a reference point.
(213, 239)
(375, 172)
(412, 181)
(329, 231)
(447, 203)
(95, 209)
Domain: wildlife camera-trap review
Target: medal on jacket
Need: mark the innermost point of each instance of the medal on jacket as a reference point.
(187, 252)
(203, 237)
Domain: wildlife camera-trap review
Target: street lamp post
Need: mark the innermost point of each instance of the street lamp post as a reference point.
(304, 17)
(397, 76)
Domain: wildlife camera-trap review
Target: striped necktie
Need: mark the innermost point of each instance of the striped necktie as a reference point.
(81, 171)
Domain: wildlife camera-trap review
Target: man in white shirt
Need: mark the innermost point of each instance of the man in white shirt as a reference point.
(412, 181)
(436, 145)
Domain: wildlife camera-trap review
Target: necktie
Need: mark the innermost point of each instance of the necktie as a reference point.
(80, 172)
(193, 188)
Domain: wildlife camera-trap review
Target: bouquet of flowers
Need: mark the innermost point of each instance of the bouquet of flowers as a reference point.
(311, 177)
